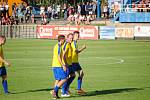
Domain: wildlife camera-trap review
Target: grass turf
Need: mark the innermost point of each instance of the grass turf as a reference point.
(114, 70)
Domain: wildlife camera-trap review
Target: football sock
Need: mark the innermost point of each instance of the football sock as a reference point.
(56, 88)
(5, 86)
(64, 86)
(79, 83)
(70, 80)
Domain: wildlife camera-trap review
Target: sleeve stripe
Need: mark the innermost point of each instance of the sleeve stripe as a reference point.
(58, 49)
(75, 44)
(65, 46)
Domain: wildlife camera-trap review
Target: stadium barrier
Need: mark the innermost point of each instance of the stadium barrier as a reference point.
(86, 32)
(48, 31)
(142, 32)
(18, 31)
(107, 32)
(124, 33)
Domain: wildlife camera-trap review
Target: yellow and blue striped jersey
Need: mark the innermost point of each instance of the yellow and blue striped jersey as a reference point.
(68, 55)
(2, 55)
(57, 52)
(74, 46)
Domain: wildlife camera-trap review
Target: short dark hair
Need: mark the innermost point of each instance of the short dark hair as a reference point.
(61, 37)
(76, 32)
(69, 35)
(2, 36)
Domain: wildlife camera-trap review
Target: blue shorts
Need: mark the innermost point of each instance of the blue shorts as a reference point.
(76, 66)
(3, 71)
(59, 73)
(70, 70)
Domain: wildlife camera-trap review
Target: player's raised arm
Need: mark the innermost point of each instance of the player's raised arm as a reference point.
(82, 48)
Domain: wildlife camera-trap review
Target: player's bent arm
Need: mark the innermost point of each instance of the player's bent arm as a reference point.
(60, 61)
(1, 59)
(83, 47)
(64, 57)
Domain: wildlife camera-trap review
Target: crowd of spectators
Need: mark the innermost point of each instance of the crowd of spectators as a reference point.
(142, 6)
(81, 13)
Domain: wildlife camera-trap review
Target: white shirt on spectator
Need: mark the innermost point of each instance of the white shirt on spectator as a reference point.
(58, 8)
(6, 6)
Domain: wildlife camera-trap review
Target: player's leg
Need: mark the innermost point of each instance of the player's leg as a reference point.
(4, 79)
(71, 78)
(56, 88)
(64, 86)
(62, 77)
(80, 78)
(4, 83)
(54, 92)
(77, 68)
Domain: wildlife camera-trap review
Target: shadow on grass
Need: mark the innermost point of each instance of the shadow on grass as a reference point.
(111, 91)
(91, 93)
(29, 91)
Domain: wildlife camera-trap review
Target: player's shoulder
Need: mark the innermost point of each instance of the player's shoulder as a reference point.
(57, 45)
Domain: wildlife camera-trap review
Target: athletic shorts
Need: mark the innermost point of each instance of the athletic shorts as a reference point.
(3, 71)
(76, 67)
(59, 73)
(70, 70)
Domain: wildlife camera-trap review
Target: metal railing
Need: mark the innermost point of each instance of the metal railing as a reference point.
(18, 31)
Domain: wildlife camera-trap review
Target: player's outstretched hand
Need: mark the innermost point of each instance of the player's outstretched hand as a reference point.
(84, 46)
(8, 64)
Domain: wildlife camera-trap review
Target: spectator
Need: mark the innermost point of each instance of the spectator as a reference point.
(49, 10)
(94, 10)
(78, 9)
(65, 11)
(105, 10)
(83, 12)
(42, 12)
(1, 10)
(7, 9)
(58, 10)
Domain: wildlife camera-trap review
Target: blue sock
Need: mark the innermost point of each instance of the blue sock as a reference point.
(70, 80)
(79, 83)
(64, 86)
(56, 88)
(5, 86)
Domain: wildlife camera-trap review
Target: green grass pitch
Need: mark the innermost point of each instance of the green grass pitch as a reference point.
(114, 70)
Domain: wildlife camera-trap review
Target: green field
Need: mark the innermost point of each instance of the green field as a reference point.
(114, 70)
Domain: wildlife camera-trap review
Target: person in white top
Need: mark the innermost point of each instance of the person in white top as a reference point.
(42, 12)
(1, 9)
(7, 9)
(58, 10)
(79, 9)
(105, 10)
(76, 18)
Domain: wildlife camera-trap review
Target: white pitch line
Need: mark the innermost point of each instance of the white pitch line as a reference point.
(119, 60)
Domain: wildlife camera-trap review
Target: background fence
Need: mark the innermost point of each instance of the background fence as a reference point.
(18, 31)
(86, 32)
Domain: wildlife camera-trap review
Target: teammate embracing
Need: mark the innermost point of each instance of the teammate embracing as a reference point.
(59, 68)
(67, 55)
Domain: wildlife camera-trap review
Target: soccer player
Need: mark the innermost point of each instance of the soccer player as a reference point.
(3, 62)
(59, 68)
(68, 62)
(75, 63)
